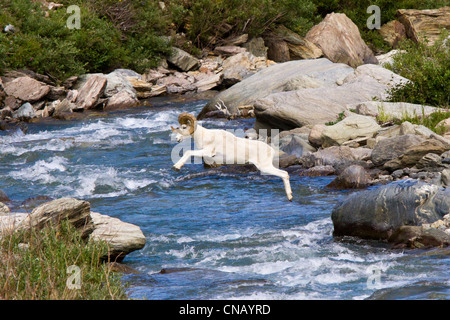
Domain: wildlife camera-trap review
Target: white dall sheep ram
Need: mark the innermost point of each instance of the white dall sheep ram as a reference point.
(223, 147)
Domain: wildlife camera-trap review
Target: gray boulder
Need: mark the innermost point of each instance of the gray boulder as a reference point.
(313, 72)
(376, 214)
(391, 148)
(310, 106)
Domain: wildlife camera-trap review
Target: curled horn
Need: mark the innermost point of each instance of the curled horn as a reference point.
(189, 120)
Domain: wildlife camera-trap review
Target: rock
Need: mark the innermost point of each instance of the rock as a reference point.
(392, 110)
(299, 48)
(236, 41)
(413, 154)
(118, 81)
(340, 41)
(207, 81)
(77, 212)
(315, 136)
(387, 208)
(424, 25)
(142, 88)
(287, 110)
(122, 237)
(353, 177)
(4, 210)
(61, 107)
(9, 223)
(413, 237)
(4, 197)
(26, 89)
(293, 144)
(286, 160)
(445, 177)
(318, 171)
(274, 78)
(444, 125)
(256, 47)
(277, 50)
(393, 33)
(228, 50)
(391, 148)
(183, 60)
(337, 157)
(430, 160)
(388, 58)
(121, 100)
(90, 93)
(70, 82)
(240, 66)
(25, 112)
(5, 113)
(351, 128)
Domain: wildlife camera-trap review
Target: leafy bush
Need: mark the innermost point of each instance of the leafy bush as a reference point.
(428, 68)
(44, 44)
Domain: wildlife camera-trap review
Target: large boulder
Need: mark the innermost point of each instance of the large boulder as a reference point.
(122, 238)
(340, 41)
(287, 110)
(26, 89)
(391, 148)
(351, 128)
(424, 25)
(77, 212)
(275, 78)
(415, 153)
(376, 214)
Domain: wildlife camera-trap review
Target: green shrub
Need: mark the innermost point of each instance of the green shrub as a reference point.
(34, 265)
(428, 68)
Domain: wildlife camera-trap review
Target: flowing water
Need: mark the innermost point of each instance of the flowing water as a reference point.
(209, 236)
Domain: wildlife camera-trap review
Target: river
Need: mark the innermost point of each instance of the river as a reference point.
(216, 236)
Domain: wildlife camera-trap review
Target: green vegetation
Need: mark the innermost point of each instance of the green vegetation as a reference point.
(430, 121)
(339, 118)
(428, 68)
(34, 265)
(134, 34)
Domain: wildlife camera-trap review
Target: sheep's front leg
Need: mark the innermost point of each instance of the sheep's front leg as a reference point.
(190, 153)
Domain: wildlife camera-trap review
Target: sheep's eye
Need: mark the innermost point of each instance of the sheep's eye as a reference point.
(183, 126)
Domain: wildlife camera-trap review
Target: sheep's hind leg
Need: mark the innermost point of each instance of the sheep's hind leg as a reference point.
(279, 173)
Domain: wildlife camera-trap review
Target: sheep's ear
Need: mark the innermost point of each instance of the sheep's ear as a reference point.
(189, 123)
(173, 129)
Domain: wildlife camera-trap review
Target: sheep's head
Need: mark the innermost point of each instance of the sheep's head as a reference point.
(188, 124)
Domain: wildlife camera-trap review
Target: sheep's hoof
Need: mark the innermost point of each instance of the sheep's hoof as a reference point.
(290, 198)
(175, 168)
